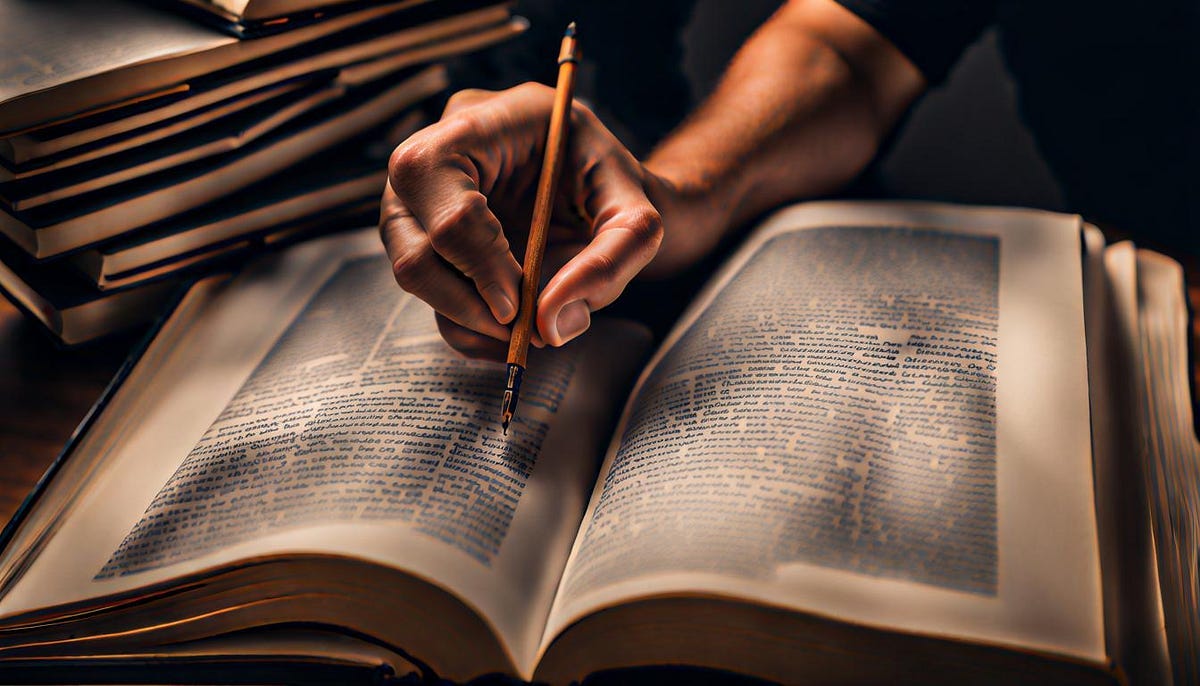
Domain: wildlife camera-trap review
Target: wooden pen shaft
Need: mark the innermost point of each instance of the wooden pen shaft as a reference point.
(556, 145)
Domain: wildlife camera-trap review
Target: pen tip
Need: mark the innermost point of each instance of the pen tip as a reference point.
(570, 32)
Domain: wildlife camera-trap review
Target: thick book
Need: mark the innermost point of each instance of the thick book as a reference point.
(260, 208)
(213, 140)
(345, 59)
(230, 254)
(122, 50)
(339, 184)
(130, 281)
(67, 225)
(36, 160)
(70, 308)
(257, 10)
(251, 18)
(64, 298)
(886, 443)
(222, 136)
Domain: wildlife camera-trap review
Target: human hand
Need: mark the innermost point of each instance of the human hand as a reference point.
(459, 200)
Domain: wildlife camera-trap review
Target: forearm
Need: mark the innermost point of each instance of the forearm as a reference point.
(800, 112)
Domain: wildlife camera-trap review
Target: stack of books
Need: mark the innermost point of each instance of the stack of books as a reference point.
(143, 143)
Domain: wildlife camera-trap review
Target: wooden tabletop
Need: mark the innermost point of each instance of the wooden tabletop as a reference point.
(45, 391)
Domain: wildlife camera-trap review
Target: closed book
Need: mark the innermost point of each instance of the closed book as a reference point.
(121, 50)
(348, 58)
(67, 225)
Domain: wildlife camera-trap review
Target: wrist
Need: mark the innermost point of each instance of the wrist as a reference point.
(693, 215)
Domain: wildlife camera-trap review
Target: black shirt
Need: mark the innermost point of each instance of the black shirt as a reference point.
(1110, 91)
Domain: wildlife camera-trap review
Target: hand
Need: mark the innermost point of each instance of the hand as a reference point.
(459, 201)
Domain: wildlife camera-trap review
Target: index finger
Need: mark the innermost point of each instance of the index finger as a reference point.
(439, 186)
(419, 270)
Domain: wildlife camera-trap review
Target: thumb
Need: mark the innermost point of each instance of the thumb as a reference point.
(625, 241)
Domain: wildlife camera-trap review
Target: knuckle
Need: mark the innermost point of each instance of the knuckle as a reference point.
(461, 126)
(531, 89)
(409, 161)
(386, 227)
(449, 230)
(411, 268)
(463, 98)
(456, 100)
(392, 213)
(603, 266)
(646, 225)
(466, 342)
(583, 118)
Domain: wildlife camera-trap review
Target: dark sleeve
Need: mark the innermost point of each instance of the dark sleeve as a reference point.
(931, 33)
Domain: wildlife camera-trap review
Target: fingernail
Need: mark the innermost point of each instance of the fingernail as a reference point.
(502, 306)
(573, 319)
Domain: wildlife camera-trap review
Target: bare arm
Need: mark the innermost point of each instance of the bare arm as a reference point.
(801, 110)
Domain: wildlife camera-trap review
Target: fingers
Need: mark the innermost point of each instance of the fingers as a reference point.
(628, 230)
(437, 224)
(449, 248)
(438, 190)
(419, 270)
(597, 275)
(471, 343)
(463, 99)
(441, 177)
(463, 231)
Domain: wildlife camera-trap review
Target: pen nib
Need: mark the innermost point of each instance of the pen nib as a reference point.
(570, 32)
(512, 391)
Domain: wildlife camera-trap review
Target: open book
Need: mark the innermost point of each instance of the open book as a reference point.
(888, 442)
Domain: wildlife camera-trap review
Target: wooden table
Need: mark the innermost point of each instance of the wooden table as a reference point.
(46, 391)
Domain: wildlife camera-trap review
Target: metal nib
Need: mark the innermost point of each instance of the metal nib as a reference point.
(512, 391)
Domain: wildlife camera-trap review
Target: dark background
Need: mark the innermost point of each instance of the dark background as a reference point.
(963, 141)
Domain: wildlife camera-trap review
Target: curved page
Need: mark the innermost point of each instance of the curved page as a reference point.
(313, 407)
(876, 413)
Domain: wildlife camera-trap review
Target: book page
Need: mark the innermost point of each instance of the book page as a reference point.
(315, 408)
(876, 413)
(1172, 454)
(1133, 604)
(289, 654)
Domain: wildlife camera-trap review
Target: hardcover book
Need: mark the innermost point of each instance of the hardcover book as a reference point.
(63, 226)
(120, 51)
(339, 61)
(886, 443)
